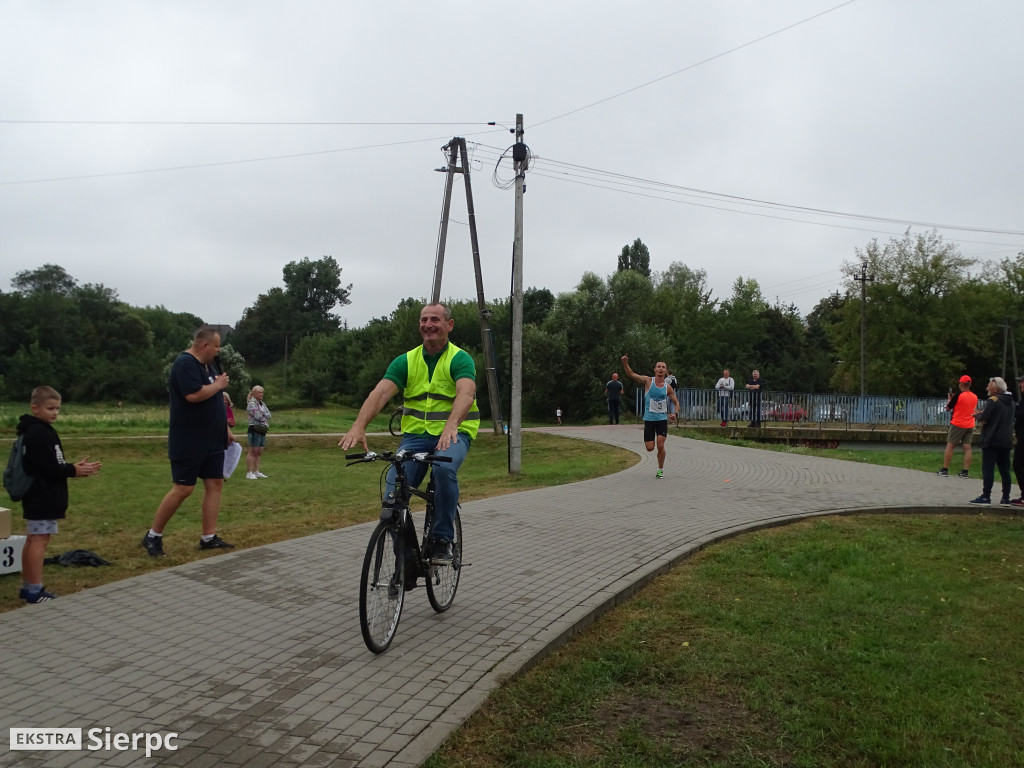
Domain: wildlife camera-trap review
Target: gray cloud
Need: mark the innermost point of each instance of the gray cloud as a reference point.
(908, 111)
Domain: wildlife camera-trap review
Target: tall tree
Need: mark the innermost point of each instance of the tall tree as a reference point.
(688, 312)
(270, 329)
(314, 290)
(49, 278)
(635, 257)
(740, 328)
(919, 324)
(820, 356)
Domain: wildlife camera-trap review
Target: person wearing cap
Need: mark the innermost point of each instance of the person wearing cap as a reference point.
(1018, 450)
(996, 422)
(962, 404)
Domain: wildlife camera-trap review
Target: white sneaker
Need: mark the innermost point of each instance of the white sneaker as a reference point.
(260, 474)
(250, 475)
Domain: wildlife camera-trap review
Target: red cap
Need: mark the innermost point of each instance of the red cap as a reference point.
(965, 379)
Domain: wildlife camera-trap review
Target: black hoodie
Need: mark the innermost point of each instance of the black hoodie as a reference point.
(997, 421)
(47, 499)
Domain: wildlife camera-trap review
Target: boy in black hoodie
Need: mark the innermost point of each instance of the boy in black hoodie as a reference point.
(47, 500)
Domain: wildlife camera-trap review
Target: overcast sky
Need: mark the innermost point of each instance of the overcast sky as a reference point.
(182, 152)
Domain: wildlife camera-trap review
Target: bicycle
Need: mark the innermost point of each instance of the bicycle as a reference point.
(395, 558)
(395, 425)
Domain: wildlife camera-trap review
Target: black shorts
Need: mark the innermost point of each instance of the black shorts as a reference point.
(652, 428)
(210, 467)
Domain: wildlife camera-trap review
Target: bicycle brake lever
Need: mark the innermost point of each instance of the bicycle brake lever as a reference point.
(359, 457)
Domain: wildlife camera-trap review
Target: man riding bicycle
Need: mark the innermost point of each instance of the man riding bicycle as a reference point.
(441, 415)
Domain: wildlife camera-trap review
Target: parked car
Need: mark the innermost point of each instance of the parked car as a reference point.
(742, 411)
(702, 412)
(831, 412)
(787, 412)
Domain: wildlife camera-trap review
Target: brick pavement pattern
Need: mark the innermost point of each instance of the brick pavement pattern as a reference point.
(255, 657)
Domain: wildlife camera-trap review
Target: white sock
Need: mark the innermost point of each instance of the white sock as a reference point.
(154, 534)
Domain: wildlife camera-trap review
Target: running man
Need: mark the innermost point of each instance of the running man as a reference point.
(657, 395)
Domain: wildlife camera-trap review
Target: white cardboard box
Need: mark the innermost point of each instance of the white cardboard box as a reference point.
(10, 554)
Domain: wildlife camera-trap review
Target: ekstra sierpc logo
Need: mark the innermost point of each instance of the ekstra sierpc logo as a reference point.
(66, 739)
(46, 738)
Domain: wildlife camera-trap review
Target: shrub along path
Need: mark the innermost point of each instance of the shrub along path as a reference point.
(255, 657)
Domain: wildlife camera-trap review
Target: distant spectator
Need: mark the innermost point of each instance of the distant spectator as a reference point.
(259, 425)
(962, 404)
(229, 407)
(558, 415)
(613, 392)
(725, 386)
(755, 385)
(672, 382)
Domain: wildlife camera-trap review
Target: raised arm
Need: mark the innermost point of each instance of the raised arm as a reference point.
(634, 376)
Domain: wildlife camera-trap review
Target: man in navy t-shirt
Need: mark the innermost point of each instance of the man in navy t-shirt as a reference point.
(196, 440)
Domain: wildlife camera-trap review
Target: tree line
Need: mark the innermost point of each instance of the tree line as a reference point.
(930, 314)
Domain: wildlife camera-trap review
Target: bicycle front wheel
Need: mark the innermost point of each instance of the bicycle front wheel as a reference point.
(382, 587)
(443, 580)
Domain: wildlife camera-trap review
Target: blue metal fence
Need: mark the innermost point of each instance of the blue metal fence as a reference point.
(795, 407)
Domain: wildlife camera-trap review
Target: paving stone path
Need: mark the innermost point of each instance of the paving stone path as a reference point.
(254, 658)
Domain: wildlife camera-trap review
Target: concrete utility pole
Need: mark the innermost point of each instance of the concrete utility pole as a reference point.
(515, 441)
(442, 237)
(863, 278)
(1009, 341)
(456, 147)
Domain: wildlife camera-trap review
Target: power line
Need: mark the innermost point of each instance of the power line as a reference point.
(695, 65)
(219, 163)
(614, 178)
(560, 177)
(232, 122)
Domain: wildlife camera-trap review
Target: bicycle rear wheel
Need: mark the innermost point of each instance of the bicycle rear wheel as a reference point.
(382, 587)
(443, 580)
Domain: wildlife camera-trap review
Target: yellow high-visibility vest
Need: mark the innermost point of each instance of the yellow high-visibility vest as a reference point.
(428, 402)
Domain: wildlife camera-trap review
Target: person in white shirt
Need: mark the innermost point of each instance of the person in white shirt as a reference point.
(725, 386)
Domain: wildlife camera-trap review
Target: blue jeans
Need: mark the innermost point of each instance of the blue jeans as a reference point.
(446, 481)
(723, 407)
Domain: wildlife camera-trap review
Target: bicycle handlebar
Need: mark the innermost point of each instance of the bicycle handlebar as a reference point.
(398, 457)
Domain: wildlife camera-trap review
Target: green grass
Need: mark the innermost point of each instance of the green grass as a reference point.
(847, 641)
(96, 419)
(310, 491)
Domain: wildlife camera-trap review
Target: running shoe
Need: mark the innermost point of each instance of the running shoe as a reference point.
(154, 545)
(33, 598)
(215, 543)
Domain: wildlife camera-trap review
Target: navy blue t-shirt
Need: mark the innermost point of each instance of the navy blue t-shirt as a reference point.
(197, 429)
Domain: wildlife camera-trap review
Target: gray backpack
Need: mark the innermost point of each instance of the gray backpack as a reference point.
(16, 480)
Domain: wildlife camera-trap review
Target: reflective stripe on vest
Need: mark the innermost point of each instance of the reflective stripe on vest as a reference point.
(428, 402)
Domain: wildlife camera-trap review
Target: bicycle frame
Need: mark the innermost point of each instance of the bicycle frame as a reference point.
(397, 510)
(395, 557)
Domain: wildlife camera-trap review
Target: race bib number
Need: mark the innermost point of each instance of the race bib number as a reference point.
(658, 406)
